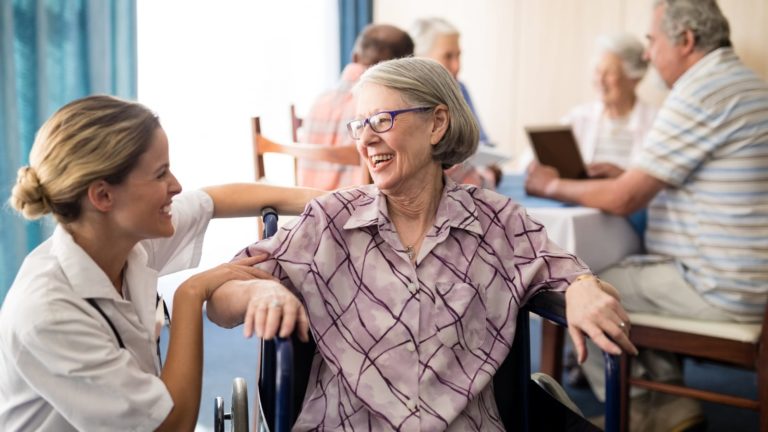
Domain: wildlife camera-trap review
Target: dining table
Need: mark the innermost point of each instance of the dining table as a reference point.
(597, 238)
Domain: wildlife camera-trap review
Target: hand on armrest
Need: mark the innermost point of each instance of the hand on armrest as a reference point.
(265, 307)
(593, 309)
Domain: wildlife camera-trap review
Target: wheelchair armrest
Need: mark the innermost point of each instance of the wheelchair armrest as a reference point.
(549, 305)
(284, 384)
(286, 365)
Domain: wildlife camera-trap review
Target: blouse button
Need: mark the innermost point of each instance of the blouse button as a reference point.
(412, 287)
(410, 347)
(411, 404)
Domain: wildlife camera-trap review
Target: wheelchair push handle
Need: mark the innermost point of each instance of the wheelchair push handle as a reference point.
(269, 216)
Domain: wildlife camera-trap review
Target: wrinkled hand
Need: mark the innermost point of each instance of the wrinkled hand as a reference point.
(604, 170)
(592, 308)
(271, 308)
(210, 280)
(539, 179)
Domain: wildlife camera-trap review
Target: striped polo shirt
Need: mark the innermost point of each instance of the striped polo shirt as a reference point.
(710, 145)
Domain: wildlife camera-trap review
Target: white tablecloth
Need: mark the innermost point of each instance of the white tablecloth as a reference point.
(599, 239)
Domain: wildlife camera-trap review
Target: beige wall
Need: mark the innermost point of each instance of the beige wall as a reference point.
(528, 61)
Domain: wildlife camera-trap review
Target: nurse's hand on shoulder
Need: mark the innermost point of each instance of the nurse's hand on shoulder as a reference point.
(205, 283)
(593, 309)
(274, 311)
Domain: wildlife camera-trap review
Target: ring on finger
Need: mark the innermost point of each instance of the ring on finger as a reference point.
(275, 303)
(622, 325)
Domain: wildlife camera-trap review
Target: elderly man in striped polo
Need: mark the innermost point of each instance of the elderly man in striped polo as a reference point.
(703, 171)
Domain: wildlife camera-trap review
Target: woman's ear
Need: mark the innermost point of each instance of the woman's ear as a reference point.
(100, 195)
(442, 120)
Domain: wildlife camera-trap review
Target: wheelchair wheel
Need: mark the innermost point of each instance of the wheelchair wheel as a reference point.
(239, 414)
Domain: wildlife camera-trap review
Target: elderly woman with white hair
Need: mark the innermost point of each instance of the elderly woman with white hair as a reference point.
(411, 286)
(438, 39)
(611, 131)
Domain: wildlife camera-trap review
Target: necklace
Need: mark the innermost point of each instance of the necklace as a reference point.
(409, 252)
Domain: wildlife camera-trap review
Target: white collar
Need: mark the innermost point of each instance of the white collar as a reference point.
(88, 280)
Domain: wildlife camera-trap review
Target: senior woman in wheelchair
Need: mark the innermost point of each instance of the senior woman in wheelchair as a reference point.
(411, 286)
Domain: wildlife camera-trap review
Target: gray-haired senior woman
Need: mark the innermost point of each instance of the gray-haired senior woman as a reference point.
(611, 130)
(412, 285)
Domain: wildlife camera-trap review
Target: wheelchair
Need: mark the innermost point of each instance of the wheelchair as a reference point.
(285, 363)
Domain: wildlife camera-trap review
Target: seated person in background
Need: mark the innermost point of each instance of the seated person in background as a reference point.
(411, 285)
(438, 39)
(79, 327)
(702, 169)
(326, 123)
(611, 131)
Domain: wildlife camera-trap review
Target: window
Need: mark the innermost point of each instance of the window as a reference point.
(206, 68)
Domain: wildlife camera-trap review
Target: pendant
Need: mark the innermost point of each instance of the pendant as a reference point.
(409, 252)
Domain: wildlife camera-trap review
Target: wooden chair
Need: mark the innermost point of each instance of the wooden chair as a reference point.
(296, 123)
(344, 155)
(741, 345)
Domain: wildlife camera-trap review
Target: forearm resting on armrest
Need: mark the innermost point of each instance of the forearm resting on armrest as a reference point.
(227, 306)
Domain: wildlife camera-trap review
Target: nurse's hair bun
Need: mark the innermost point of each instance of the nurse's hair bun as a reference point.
(28, 195)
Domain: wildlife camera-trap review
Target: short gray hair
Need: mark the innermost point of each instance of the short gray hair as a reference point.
(425, 82)
(425, 32)
(702, 17)
(629, 49)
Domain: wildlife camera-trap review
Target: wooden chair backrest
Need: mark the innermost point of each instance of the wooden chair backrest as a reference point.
(296, 123)
(343, 155)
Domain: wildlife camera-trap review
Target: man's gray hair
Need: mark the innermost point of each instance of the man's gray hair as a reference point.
(629, 49)
(425, 32)
(423, 82)
(702, 17)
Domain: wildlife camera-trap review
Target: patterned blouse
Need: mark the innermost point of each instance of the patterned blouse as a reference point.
(404, 347)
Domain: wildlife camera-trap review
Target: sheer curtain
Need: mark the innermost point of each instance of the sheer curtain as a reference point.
(53, 52)
(207, 67)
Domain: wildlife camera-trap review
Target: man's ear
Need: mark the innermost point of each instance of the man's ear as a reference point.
(688, 44)
(441, 121)
(100, 195)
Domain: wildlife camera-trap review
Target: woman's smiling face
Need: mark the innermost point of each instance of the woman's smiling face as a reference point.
(401, 155)
(142, 202)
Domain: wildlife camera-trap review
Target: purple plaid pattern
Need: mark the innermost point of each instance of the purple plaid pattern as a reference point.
(403, 347)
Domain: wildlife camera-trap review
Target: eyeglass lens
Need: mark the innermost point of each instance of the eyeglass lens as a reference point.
(379, 123)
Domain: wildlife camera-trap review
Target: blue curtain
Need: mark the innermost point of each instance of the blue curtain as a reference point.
(353, 16)
(51, 52)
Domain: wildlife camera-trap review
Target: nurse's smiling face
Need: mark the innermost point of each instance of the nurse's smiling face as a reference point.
(142, 202)
(401, 157)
